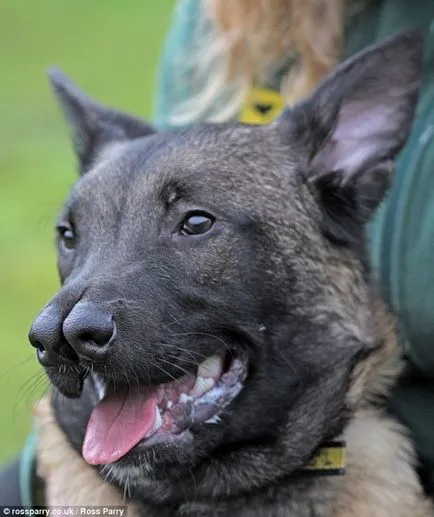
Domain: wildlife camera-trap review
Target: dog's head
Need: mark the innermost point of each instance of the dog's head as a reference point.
(214, 285)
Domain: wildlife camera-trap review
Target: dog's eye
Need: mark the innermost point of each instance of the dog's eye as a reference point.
(66, 236)
(196, 224)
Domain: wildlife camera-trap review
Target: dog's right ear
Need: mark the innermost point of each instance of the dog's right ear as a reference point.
(92, 125)
(353, 127)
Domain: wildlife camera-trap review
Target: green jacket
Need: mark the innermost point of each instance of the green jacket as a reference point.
(401, 236)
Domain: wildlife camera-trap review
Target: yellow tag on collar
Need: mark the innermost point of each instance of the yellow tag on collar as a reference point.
(262, 106)
(331, 459)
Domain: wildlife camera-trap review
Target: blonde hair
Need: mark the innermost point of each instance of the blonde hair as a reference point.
(242, 42)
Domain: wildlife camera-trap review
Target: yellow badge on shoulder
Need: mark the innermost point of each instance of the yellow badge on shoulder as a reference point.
(262, 106)
(330, 459)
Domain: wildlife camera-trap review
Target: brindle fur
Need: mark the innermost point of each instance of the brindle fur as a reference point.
(284, 274)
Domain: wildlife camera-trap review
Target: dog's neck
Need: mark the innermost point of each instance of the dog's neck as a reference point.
(292, 496)
(380, 480)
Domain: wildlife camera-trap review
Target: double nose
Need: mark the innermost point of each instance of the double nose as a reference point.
(87, 332)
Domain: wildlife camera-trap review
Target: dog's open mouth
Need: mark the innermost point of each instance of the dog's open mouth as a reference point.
(149, 415)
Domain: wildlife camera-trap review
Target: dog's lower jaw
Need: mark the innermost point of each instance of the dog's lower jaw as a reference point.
(135, 480)
(380, 480)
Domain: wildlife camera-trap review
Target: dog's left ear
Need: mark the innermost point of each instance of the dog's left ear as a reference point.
(353, 127)
(92, 125)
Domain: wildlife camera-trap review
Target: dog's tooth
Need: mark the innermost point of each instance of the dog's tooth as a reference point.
(100, 386)
(211, 367)
(169, 404)
(158, 418)
(183, 398)
(213, 420)
(202, 385)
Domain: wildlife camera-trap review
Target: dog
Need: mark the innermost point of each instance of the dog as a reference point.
(218, 324)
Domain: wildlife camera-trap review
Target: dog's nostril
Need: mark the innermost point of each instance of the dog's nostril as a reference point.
(45, 334)
(89, 330)
(98, 336)
(41, 353)
(39, 346)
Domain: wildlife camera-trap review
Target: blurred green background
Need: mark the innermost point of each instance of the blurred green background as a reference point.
(110, 48)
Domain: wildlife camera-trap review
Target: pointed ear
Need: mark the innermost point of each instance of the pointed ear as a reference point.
(354, 126)
(93, 126)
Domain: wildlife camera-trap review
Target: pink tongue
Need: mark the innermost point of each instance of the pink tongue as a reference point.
(117, 424)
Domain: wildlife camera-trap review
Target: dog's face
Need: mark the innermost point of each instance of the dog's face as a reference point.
(214, 293)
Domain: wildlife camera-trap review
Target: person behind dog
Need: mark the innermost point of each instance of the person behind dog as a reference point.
(246, 59)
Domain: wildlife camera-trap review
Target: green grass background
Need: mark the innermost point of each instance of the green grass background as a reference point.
(110, 48)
